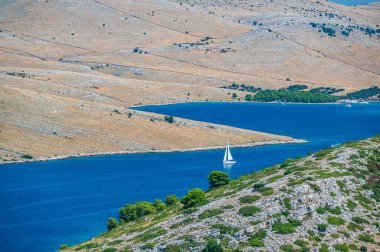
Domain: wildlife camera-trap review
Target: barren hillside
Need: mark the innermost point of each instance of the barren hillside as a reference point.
(71, 63)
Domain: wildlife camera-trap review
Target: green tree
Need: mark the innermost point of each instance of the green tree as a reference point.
(111, 224)
(213, 246)
(193, 198)
(234, 96)
(63, 246)
(248, 97)
(169, 119)
(144, 208)
(158, 205)
(171, 200)
(217, 179)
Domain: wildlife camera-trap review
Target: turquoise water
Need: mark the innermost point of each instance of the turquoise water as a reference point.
(45, 204)
(354, 2)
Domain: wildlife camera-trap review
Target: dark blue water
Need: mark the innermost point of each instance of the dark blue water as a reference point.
(354, 2)
(45, 204)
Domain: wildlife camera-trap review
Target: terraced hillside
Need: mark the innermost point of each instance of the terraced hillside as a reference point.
(326, 201)
(112, 54)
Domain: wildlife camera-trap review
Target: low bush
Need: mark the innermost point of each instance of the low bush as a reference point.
(169, 119)
(249, 210)
(354, 227)
(213, 246)
(320, 210)
(322, 227)
(223, 229)
(210, 213)
(335, 221)
(287, 203)
(335, 210)
(359, 220)
(366, 238)
(256, 240)
(341, 247)
(26, 156)
(285, 228)
(249, 199)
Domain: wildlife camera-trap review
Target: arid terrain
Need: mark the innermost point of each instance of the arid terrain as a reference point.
(69, 70)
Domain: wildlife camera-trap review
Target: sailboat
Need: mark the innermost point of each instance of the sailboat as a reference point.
(228, 159)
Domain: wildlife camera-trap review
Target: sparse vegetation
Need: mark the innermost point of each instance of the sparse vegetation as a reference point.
(249, 210)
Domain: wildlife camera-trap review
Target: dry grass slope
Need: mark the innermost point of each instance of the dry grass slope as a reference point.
(77, 61)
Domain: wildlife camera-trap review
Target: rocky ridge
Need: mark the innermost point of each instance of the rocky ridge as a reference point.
(326, 201)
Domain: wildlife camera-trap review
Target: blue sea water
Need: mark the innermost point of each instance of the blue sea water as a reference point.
(45, 204)
(354, 2)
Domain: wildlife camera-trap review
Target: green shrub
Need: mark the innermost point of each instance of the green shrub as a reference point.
(109, 250)
(210, 213)
(335, 235)
(354, 227)
(341, 247)
(320, 210)
(335, 220)
(324, 248)
(63, 246)
(133, 211)
(249, 210)
(217, 179)
(147, 246)
(111, 224)
(26, 156)
(213, 246)
(182, 223)
(335, 210)
(366, 238)
(157, 203)
(266, 191)
(363, 249)
(353, 247)
(288, 248)
(223, 229)
(287, 203)
(256, 240)
(351, 205)
(249, 199)
(227, 207)
(285, 228)
(322, 227)
(359, 220)
(194, 198)
(150, 234)
(301, 243)
(171, 200)
(169, 119)
(258, 186)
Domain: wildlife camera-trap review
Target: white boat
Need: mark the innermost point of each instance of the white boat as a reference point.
(348, 106)
(228, 159)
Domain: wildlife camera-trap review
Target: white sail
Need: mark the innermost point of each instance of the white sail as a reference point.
(229, 156)
(228, 159)
(225, 156)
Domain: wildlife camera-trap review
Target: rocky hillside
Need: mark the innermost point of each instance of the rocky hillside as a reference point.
(326, 201)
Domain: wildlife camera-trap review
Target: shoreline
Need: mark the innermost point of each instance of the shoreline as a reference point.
(255, 102)
(255, 144)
